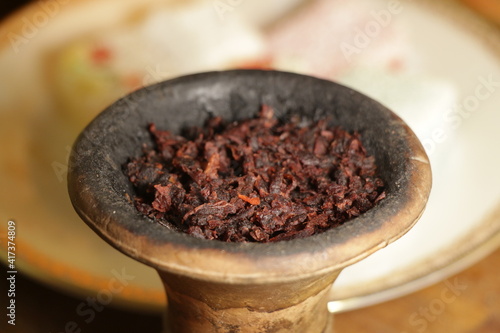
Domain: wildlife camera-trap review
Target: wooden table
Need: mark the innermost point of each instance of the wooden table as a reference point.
(465, 303)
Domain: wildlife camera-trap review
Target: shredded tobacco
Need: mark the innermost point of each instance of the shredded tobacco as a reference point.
(257, 180)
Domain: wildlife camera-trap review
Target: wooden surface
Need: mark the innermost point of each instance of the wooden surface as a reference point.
(465, 303)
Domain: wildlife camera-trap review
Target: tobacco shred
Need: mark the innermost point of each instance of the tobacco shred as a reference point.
(257, 180)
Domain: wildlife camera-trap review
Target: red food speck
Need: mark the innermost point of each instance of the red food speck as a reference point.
(101, 55)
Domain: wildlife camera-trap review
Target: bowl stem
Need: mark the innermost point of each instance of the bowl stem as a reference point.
(222, 307)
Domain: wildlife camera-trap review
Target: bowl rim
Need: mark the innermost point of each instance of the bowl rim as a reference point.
(180, 253)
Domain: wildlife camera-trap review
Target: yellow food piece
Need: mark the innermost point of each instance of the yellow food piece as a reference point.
(83, 85)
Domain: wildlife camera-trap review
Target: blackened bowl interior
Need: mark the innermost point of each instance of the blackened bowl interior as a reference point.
(100, 191)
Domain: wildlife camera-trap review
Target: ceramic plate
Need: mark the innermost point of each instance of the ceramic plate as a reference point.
(442, 76)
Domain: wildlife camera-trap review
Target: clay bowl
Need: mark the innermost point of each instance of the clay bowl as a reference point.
(214, 286)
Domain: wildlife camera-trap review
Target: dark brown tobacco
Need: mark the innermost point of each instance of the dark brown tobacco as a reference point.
(257, 180)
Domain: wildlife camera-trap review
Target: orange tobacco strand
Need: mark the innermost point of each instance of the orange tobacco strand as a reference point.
(252, 201)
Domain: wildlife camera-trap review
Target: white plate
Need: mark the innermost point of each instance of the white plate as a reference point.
(460, 225)
(462, 220)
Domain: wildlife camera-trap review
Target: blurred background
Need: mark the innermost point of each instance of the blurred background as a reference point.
(436, 64)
